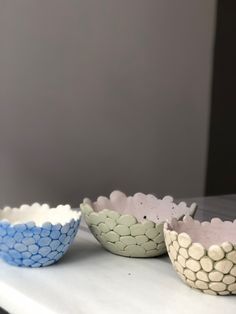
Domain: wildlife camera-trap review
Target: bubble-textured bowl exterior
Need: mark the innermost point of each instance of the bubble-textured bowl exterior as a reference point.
(28, 245)
(123, 233)
(201, 264)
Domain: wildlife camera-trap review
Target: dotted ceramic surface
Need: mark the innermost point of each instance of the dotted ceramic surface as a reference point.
(203, 254)
(35, 236)
(132, 226)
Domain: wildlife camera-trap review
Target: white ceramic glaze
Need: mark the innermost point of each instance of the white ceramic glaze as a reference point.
(203, 254)
(132, 225)
(39, 214)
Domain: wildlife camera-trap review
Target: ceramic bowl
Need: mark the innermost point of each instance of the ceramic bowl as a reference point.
(204, 254)
(36, 235)
(132, 226)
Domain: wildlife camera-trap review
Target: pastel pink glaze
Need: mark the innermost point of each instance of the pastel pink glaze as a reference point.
(142, 206)
(206, 233)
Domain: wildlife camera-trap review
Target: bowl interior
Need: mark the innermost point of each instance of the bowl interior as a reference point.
(142, 206)
(206, 233)
(39, 214)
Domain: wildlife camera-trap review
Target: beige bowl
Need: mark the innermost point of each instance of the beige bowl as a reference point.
(203, 254)
(132, 226)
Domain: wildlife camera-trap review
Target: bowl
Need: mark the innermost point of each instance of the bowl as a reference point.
(203, 254)
(36, 235)
(132, 226)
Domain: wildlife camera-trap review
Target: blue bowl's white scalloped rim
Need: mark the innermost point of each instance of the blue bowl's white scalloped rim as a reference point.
(38, 215)
(37, 235)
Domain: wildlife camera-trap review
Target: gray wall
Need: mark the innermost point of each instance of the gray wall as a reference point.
(103, 94)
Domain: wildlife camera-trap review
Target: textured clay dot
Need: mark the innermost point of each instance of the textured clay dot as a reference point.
(206, 263)
(189, 274)
(179, 267)
(176, 245)
(215, 276)
(135, 250)
(233, 271)
(209, 292)
(232, 287)
(191, 283)
(215, 252)
(150, 245)
(232, 256)
(110, 246)
(193, 265)
(181, 260)
(201, 284)
(112, 236)
(228, 279)
(224, 293)
(183, 252)
(184, 240)
(173, 235)
(122, 230)
(223, 266)
(141, 239)
(151, 233)
(201, 275)
(137, 229)
(227, 247)
(128, 240)
(127, 220)
(196, 251)
(217, 286)
(173, 252)
(159, 238)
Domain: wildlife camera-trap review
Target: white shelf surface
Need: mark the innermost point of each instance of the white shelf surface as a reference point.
(89, 280)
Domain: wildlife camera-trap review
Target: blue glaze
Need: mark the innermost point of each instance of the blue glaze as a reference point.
(28, 241)
(30, 224)
(27, 245)
(36, 237)
(4, 248)
(55, 234)
(65, 228)
(36, 257)
(56, 227)
(62, 238)
(33, 248)
(28, 234)
(20, 247)
(60, 248)
(54, 244)
(3, 232)
(45, 233)
(10, 242)
(45, 250)
(20, 227)
(44, 241)
(18, 236)
(15, 254)
(26, 254)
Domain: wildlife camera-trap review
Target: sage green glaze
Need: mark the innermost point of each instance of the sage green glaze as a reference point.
(123, 234)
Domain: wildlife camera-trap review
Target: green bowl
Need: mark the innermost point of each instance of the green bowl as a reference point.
(132, 226)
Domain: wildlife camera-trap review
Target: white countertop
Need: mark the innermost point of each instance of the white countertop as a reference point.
(91, 280)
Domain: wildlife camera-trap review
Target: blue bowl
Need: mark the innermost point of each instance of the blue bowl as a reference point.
(40, 241)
